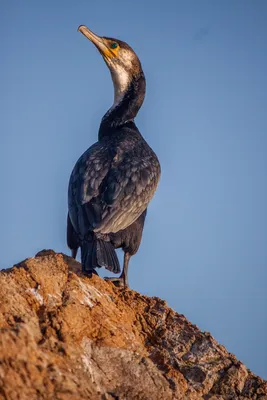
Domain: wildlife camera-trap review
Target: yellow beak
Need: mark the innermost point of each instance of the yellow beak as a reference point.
(98, 41)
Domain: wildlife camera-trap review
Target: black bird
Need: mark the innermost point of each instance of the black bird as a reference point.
(115, 179)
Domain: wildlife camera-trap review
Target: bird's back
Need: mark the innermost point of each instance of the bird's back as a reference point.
(113, 182)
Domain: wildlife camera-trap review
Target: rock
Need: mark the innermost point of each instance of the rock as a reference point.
(65, 336)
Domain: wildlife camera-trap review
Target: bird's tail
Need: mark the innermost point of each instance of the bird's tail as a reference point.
(98, 253)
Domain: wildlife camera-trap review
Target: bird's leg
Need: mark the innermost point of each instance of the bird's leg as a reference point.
(124, 274)
(122, 280)
(74, 253)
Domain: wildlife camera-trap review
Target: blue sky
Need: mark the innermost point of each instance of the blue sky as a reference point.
(204, 246)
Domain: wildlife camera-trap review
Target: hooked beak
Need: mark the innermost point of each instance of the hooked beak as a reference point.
(98, 41)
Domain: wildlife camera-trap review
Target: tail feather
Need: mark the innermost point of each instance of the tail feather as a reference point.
(107, 257)
(99, 253)
(72, 238)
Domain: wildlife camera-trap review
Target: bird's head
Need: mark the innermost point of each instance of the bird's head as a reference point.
(120, 58)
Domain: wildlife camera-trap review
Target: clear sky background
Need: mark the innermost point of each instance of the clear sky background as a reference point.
(205, 115)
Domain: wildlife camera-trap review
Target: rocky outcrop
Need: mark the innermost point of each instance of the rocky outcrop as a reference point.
(64, 336)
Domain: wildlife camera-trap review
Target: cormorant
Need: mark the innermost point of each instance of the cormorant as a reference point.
(115, 179)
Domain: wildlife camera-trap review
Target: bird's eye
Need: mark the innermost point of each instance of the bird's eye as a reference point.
(114, 45)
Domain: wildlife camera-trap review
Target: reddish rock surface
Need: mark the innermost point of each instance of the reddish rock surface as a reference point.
(64, 336)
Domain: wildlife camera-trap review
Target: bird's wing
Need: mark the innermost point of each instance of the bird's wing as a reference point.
(72, 237)
(84, 187)
(109, 190)
(127, 189)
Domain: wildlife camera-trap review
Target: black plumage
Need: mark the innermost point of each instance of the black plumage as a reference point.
(129, 240)
(115, 179)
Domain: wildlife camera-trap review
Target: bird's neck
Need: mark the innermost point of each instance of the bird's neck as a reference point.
(126, 105)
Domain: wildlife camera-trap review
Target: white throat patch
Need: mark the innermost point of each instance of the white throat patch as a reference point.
(121, 76)
(121, 82)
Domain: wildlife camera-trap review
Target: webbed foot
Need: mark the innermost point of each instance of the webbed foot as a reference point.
(122, 281)
(119, 282)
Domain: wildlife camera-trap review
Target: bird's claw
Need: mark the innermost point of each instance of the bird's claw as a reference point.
(119, 282)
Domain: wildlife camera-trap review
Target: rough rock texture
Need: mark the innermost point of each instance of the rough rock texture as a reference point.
(64, 336)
